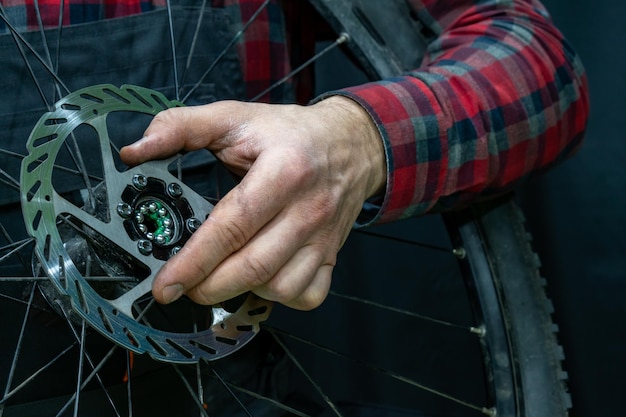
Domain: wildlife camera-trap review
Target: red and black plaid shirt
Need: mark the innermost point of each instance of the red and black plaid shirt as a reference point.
(499, 96)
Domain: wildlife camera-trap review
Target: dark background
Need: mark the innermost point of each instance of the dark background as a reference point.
(577, 214)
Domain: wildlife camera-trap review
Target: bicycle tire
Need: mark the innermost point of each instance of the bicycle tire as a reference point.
(534, 383)
(484, 239)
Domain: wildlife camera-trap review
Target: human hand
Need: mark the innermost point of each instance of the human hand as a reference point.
(306, 171)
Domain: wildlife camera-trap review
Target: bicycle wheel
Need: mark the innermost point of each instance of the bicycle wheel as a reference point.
(495, 347)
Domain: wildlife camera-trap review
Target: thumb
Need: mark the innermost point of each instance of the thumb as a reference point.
(181, 129)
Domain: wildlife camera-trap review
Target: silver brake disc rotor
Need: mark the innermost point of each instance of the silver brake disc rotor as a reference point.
(131, 221)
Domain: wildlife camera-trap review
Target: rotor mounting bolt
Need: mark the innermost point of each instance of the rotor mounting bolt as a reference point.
(144, 246)
(140, 181)
(175, 250)
(174, 190)
(124, 210)
(193, 224)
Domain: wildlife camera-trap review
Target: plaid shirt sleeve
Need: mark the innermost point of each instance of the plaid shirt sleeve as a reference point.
(499, 96)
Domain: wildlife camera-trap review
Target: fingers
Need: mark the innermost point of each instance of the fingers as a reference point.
(276, 260)
(232, 223)
(239, 216)
(273, 249)
(301, 283)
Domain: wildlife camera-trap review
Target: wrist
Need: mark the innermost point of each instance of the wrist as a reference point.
(366, 142)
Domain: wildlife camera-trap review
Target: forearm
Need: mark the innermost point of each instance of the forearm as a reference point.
(500, 96)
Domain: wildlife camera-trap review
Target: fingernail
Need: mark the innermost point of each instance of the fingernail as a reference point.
(172, 293)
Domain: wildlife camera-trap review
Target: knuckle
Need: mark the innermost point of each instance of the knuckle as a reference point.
(299, 168)
(281, 290)
(164, 118)
(170, 120)
(310, 300)
(256, 270)
(232, 235)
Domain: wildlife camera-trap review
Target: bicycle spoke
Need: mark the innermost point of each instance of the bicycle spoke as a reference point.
(227, 48)
(129, 370)
(84, 355)
(79, 377)
(340, 40)
(173, 48)
(192, 47)
(11, 182)
(14, 248)
(56, 167)
(12, 243)
(317, 388)
(230, 386)
(40, 371)
(44, 42)
(407, 241)
(199, 385)
(190, 390)
(17, 39)
(20, 40)
(59, 34)
(394, 375)
(407, 313)
(20, 340)
(79, 162)
(93, 374)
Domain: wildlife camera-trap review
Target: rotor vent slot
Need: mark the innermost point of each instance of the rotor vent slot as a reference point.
(138, 97)
(44, 139)
(116, 96)
(32, 191)
(68, 106)
(179, 348)
(36, 163)
(203, 347)
(91, 97)
(55, 121)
